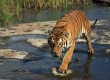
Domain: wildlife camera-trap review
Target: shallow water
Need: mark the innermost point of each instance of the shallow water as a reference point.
(92, 12)
(39, 67)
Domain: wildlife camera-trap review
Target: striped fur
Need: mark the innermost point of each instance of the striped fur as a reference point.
(66, 31)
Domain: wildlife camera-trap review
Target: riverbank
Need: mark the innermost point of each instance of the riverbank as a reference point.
(100, 33)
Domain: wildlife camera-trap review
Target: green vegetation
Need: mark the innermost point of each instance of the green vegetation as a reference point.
(52, 4)
(12, 8)
(8, 9)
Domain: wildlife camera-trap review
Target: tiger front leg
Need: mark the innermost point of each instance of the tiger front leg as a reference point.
(66, 60)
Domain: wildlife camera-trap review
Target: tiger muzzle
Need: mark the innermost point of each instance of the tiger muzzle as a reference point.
(55, 54)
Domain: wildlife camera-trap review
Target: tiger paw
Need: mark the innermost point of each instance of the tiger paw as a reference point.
(91, 51)
(61, 73)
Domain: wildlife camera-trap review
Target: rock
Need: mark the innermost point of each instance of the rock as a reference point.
(54, 71)
(37, 42)
(108, 51)
(9, 53)
(104, 42)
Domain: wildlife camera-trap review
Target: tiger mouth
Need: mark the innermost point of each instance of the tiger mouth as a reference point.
(61, 56)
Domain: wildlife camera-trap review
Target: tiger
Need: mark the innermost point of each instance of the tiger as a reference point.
(63, 36)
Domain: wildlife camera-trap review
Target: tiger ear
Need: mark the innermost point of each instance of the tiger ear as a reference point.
(49, 32)
(65, 34)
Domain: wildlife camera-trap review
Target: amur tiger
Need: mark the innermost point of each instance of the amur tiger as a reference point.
(63, 36)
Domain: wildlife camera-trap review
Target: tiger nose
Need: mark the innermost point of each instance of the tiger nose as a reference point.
(54, 54)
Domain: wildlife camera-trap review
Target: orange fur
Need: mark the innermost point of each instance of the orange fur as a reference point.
(68, 28)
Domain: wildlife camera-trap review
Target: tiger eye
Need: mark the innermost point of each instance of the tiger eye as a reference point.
(60, 44)
(52, 44)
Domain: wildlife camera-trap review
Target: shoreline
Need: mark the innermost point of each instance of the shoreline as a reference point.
(100, 33)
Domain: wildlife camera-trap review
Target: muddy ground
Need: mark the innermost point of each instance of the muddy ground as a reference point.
(25, 55)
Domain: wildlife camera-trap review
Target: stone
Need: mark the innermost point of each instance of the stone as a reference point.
(9, 53)
(54, 71)
(108, 51)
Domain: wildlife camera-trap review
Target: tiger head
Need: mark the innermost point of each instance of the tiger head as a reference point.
(58, 41)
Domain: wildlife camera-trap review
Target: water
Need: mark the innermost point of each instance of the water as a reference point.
(92, 12)
(86, 68)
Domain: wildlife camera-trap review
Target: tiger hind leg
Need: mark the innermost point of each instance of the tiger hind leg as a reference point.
(88, 40)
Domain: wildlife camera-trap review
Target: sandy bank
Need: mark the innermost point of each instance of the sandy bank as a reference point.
(100, 34)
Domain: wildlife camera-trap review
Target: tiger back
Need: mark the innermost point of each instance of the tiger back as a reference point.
(74, 22)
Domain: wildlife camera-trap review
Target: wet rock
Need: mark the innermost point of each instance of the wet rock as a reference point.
(108, 51)
(103, 41)
(9, 53)
(54, 71)
(37, 42)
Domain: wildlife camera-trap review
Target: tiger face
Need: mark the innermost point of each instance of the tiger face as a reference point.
(55, 45)
(58, 43)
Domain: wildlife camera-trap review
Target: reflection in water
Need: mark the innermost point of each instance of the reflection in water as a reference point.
(87, 68)
(79, 75)
(92, 12)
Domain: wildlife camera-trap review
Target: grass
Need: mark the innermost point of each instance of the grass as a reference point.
(12, 8)
(8, 9)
